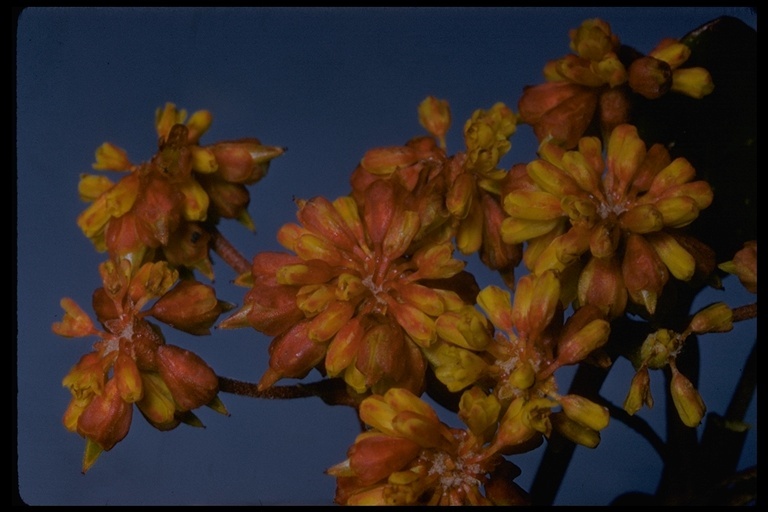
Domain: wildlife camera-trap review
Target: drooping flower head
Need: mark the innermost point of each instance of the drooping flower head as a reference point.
(354, 297)
(617, 221)
(165, 207)
(131, 363)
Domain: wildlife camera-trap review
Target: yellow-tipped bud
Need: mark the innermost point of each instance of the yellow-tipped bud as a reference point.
(679, 261)
(203, 160)
(479, 411)
(585, 411)
(111, 158)
(688, 402)
(693, 82)
(717, 317)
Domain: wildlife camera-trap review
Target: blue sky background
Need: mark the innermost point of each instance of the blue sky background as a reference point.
(328, 83)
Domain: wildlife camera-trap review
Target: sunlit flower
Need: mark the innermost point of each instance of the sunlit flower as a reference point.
(617, 219)
(409, 457)
(131, 362)
(166, 207)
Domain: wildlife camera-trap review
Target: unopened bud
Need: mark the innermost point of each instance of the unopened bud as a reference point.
(687, 399)
(190, 306)
(244, 161)
(575, 431)
(107, 419)
(717, 317)
(650, 77)
(190, 380)
(585, 411)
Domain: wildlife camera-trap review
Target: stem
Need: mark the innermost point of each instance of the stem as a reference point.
(228, 253)
(745, 312)
(330, 391)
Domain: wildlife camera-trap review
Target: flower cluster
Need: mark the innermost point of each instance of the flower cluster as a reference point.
(131, 363)
(610, 226)
(369, 289)
(169, 204)
(591, 89)
(409, 457)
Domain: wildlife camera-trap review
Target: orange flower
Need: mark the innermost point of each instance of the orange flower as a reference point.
(168, 204)
(356, 296)
(410, 457)
(164, 381)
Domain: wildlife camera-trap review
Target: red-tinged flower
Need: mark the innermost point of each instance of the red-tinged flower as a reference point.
(409, 457)
(618, 220)
(591, 90)
(355, 295)
(744, 266)
(131, 362)
(166, 207)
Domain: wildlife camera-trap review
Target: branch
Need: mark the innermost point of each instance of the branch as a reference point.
(330, 391)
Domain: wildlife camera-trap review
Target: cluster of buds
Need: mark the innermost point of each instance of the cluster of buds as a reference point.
(611, 227)
(592, 89)
(660, 349)
(407, 456)
(131, 363)
(372, 292)
(166, 208)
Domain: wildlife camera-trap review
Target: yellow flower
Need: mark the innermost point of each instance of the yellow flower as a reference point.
(620, 213)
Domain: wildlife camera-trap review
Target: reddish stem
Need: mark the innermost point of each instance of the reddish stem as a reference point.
(330, 391)
(228, 253)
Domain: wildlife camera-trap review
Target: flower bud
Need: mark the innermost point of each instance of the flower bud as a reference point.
(643, 271)
(190, 380)
(435, 117)
(585, 411)
(374, 457)
(292, 355)
(157, 403)
(639, 392)
(128, 378)
(717, 317)
(658, 347)
(244, 161)
(575, 431)
(602, 284)
(75, 323)
(687, 399)
(479, 411)
(190, 306)
(650, 77)
(744, 266)
(107, 419)
(693, 82)
(111, 158)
